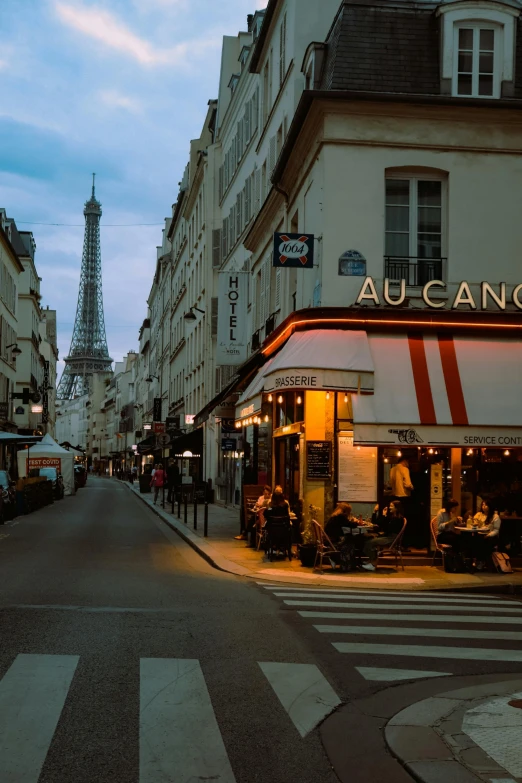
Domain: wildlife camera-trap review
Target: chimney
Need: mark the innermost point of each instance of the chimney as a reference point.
(250, 19)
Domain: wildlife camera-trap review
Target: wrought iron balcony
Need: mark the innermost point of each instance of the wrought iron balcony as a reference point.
(415, 271)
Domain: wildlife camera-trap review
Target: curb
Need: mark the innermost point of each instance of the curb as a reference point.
(216, 560)
(207, 552)
(427, 737)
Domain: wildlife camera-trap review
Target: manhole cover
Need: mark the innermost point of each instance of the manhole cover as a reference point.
(516, 703)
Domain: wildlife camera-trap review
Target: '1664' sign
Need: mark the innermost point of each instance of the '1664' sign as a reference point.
(294, 250)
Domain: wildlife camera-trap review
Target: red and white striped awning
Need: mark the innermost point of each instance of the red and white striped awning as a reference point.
(444, 390)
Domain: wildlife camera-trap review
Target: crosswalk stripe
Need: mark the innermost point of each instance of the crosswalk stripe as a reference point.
(375, 674)
(354, 605)
(304, 692)
(423, 651)
(388, 595)
(32, 695)
(333, 595)
(179, 735)
(422, 618)
(444, 633)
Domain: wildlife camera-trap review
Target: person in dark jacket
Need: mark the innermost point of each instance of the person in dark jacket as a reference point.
(341, 517)
(279, 510)
(391, 525)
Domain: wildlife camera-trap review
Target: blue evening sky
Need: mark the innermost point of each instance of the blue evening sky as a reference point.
(118, 87)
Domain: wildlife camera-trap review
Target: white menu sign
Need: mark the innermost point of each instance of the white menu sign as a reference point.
(357, 475)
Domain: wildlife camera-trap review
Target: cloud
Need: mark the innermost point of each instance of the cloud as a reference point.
(115, 99)
(39, 153)
(112, 32)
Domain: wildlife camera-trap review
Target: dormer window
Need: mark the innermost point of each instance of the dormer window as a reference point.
(234, 81)
(476, 73)
(243, 57)
(478, 48)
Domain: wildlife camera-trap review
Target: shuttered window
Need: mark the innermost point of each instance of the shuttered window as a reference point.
(216, 247)
(277, 305)
(282, 52)
(214, 305)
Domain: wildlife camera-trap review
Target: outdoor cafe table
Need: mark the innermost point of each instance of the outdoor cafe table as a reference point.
(472, 532)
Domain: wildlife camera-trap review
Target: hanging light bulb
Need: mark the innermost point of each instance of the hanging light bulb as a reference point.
(328, 395)
(280, 399)
(507, 453)
(266, 417)
(430, 451)
(299, 400)
(270, 398)
(399, 453)
(386, 459)
(346, 396)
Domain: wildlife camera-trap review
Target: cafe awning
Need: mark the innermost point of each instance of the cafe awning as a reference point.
(442, 390)
(320, 359)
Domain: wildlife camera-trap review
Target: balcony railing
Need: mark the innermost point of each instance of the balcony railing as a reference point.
(415, 271)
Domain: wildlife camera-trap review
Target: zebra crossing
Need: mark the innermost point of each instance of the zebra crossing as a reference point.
(179, 734)
(378, 626)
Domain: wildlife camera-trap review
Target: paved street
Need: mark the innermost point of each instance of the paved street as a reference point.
(126, 657)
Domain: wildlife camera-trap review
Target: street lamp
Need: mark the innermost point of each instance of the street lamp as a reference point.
(16, 350)
(191, 316)
(149, 379)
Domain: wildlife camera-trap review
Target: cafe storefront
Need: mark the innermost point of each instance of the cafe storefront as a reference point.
(344, 395)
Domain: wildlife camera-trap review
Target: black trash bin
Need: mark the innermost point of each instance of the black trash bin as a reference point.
(144, 480)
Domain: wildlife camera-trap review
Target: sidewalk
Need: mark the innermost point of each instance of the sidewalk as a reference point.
(223, 551)
(430, 731)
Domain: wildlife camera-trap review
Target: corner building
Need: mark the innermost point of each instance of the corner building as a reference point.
(402, 159)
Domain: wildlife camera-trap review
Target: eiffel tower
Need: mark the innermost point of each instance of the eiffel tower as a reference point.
(88, 353)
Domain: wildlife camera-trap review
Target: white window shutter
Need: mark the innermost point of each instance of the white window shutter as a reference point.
(254, 302)
(255, 111)
(272, 156)
(282, 52)
(277, 305)
(239, 215)
(216, 247)
(257, 190)
(214, 304)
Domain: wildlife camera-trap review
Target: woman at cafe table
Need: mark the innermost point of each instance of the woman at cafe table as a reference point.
(486, 518)
(447, 519)
(391, 525)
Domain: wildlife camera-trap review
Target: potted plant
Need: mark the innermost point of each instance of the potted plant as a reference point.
(308, 548)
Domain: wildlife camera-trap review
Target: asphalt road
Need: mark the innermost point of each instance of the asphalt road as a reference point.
(125, 657)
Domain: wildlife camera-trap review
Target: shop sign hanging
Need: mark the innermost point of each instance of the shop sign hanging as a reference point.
(438, 435)
(489, 295)
(156, 416)
(231, 346)
(293, 250)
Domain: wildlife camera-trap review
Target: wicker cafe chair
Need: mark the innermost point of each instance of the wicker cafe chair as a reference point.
(325, 548)
(260, 529)
(395, 548)
(437, 547)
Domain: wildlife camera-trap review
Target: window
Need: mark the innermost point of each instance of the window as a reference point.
(282, 52)
(414, 230)
(476, 66)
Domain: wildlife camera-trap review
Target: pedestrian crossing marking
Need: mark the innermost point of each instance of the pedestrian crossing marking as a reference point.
(444, 633)
(417, 618)
(304, 692)
(179, 733)
(374, 674)
(286, 592)
(424, 651)
(32, 695)
(430, 608)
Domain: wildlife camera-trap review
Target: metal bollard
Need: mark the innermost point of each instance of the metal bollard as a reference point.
(195, 514)
(185, 509)
(205, 521)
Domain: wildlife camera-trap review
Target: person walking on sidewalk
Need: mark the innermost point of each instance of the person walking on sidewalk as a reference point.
(157, 481)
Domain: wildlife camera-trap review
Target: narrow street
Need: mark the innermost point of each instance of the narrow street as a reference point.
(126, 657)
(93, 588)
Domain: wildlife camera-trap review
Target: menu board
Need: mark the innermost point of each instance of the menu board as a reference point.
(357, 480)
(318, 459)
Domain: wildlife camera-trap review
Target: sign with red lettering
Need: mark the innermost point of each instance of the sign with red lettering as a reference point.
(44, 462)
(232, 333)
(158, 427)
(294, 250)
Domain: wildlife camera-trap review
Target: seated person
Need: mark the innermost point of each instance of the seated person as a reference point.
(256, 518)
(447, 519)
(279, 510)
(391, 525)
(487, 518)
(341, 517)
